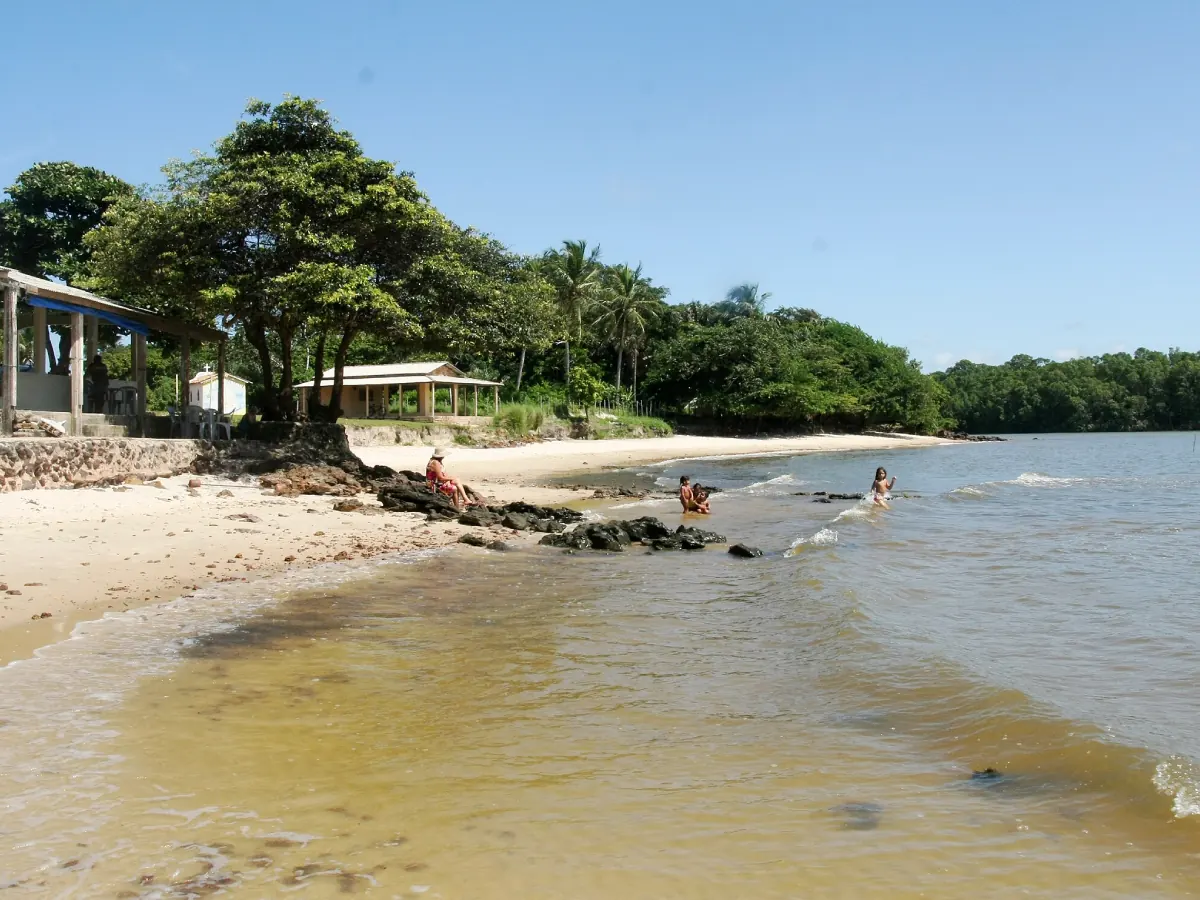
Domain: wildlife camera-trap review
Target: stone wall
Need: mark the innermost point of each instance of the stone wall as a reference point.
(67, 462)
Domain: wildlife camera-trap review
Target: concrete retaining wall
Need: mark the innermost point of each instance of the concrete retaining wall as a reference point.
(67, 462)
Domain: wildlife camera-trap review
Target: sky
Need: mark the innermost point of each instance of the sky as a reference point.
(967, 180)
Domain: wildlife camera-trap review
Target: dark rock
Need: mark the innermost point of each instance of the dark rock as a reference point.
(575, 540)
(988, 774)
(606, 537)
(859, 816)
(531, 511)
(516, 521)
(644, 530)
(479, 518)
(704, 537)
(963, 436)
(500, 546)
(407, 498)
(547, 526)
(668, 543)
(744, 551)
(351, 505)
(845, 496)
(821, 500)
(473, 539)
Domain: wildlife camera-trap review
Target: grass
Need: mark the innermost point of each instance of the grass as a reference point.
(519, 419)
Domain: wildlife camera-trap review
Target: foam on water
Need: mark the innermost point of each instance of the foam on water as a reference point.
(1037, 479)
(1179, 778)
(826, 537)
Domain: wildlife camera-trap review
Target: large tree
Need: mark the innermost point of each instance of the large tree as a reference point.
(285, 228)
(50, 208)
(577, 277)
(627, 305)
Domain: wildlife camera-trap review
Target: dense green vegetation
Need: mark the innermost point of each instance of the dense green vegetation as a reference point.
(1148, 391)
(314, 256)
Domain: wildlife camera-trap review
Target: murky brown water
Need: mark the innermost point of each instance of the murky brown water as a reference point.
(481, 725)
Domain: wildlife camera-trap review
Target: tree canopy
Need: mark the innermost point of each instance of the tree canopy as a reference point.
(310, 253)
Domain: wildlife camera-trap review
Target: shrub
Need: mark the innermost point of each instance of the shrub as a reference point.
(519, 418)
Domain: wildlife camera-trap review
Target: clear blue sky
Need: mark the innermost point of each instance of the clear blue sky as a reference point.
(964, 179)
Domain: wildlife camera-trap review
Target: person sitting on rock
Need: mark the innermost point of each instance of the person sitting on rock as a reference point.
(440, 482)
(687, 497)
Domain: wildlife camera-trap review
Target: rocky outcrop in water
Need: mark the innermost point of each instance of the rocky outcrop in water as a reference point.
(963, 436)
(744, 551)
(647, 531)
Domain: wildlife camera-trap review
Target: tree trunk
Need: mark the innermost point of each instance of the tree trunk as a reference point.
(620, 360)
(633, 360)
(287, 408)
(339, 372)
(567, 344)
(520, 369)
(314, 398)
(257, 337)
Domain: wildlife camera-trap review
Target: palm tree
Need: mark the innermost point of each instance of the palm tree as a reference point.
(631, 302)
(576, 274)
(743, 301)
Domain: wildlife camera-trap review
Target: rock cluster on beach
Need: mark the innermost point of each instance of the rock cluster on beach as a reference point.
(647, 531)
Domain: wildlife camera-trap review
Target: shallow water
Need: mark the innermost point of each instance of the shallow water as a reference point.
(539, 725)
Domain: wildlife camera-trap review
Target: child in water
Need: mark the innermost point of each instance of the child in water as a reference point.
(688, 499)
(881, 487)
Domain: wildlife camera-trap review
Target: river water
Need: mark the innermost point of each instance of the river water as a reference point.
(481, 725)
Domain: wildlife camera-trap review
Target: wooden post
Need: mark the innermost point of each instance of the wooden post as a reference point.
(77, 374)
(185, 384)
(454, 399)
(496, 401)
(367, 404)
(476, 413)
(139, 374)
(10, 359)
(39, 340)
(221, 382)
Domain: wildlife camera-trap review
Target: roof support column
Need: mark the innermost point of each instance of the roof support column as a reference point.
(185, 384)
(221, 381)
(139, 374)
(476, 413)
(39, 340)
(77, 374)
(10, 359)
(91, 344)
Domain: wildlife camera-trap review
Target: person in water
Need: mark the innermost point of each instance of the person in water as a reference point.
(881, 488)
(440, 482)
(687, 497)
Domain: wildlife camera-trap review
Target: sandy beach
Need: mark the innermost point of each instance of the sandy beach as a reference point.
(77, 554)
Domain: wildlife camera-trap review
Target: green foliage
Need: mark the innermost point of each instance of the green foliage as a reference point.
(792, 369)
(49, 210)
(519, 419)
(1148, 391)
(585, 388)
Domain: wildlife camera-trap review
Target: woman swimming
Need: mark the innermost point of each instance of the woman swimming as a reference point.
(882, 486)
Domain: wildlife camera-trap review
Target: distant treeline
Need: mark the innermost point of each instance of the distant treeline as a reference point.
(1148, 391)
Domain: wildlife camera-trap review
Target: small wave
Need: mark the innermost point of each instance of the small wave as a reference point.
(1179, 778)
(859, 510)
(1037, 479)
(768, 486)
(826, 537)
(968, 492)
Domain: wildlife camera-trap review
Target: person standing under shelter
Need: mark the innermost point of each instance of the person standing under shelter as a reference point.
(97, 374)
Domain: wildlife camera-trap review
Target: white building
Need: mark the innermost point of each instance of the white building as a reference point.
(202, 392)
